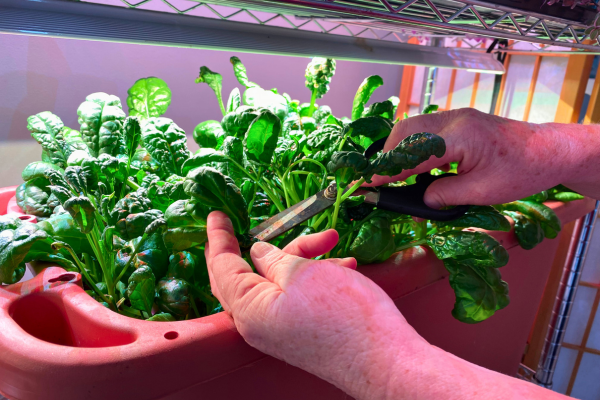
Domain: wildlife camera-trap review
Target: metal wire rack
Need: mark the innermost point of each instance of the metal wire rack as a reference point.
(395, 20)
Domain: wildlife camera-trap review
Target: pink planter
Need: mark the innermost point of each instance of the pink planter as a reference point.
(56, 342)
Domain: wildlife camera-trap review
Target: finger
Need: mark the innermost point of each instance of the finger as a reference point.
(314, 245)
(213, 286)
(457, 190)
(221, 234)
(232, 277)
(348, 262)
(272, 263)
(432, 123)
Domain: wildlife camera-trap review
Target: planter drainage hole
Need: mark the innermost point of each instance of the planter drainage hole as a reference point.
(28, 218)
(171, 335)
(62, 278)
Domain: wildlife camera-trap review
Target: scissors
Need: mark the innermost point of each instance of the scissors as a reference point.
(404, 200)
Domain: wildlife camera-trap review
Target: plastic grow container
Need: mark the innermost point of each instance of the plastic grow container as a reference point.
(56, 342)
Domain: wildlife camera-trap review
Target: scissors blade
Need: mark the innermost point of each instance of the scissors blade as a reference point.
(291, 217)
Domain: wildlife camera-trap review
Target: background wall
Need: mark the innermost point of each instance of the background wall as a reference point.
(44, 74)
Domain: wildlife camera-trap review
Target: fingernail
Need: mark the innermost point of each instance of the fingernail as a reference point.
(261, 249)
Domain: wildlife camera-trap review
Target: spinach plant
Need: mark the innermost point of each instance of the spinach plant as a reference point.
(124, 202)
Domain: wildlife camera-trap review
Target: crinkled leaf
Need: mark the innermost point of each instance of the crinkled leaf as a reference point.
(82, 210)
(260, 98)
(262, 136)
(374, 243)
(370, 129)
(33, 200)
(210, 188)
(410, 152)
(473, 248)
(83, 178)
(181, 265)
(16, 246)
(234, 100)
(134, 225)
(133, 134)
(101, 117)
(529, 232)
(479, 291)
(538, 212)
(148, 97)
(347, 166)
(37, 169)
(384, 109)
(207, 156)
(133, 203)
(172, 296)
(184, 231)
(236, 123)
(209, 134)
(323, 138)
(484, 217)
(214, 80)
(166, 142)
(363, 94)
(48, 130)
(63, 228)
(240, 72)
(140, 289)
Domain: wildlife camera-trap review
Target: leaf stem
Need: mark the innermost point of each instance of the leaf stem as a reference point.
(87, 277)
(319, 220)
(313, 100)
(352, 189)
(134, 255)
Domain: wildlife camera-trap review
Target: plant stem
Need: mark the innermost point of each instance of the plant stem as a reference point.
(352, 189)
(324, 215)
(134, 255)
(87, 277)
(132, 184)
(312, 107)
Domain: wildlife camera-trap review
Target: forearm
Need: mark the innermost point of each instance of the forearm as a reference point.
(579, 146)
(426, 372)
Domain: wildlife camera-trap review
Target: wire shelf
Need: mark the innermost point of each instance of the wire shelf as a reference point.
(396, 20)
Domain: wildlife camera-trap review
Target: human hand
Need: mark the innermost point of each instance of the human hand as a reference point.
(321, 316)
(500, 160)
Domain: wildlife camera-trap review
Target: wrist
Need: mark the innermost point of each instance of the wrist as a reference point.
(384, 366)
(575, 148)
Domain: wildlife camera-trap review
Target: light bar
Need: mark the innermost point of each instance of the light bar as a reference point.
(76, 20)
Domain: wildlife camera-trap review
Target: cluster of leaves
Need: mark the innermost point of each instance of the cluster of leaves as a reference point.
(124, 201)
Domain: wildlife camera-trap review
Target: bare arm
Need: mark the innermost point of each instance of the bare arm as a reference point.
(328, 319)
(501, 160)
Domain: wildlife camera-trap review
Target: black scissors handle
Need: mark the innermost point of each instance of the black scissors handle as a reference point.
(409, 199)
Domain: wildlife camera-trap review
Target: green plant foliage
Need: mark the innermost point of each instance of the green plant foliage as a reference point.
(148, 97)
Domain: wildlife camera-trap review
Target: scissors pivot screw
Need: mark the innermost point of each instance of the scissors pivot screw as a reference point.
(331, 191)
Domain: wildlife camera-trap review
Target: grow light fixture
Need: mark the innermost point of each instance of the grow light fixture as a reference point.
(77, 20)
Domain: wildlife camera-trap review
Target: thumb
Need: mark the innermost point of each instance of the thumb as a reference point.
(273, 263)
(453, 191)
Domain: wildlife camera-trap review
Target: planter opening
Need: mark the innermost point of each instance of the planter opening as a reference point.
(43, 315)
(63, 278)
(171, 335)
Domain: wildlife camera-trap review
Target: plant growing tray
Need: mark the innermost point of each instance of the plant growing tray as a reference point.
(56, 342)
